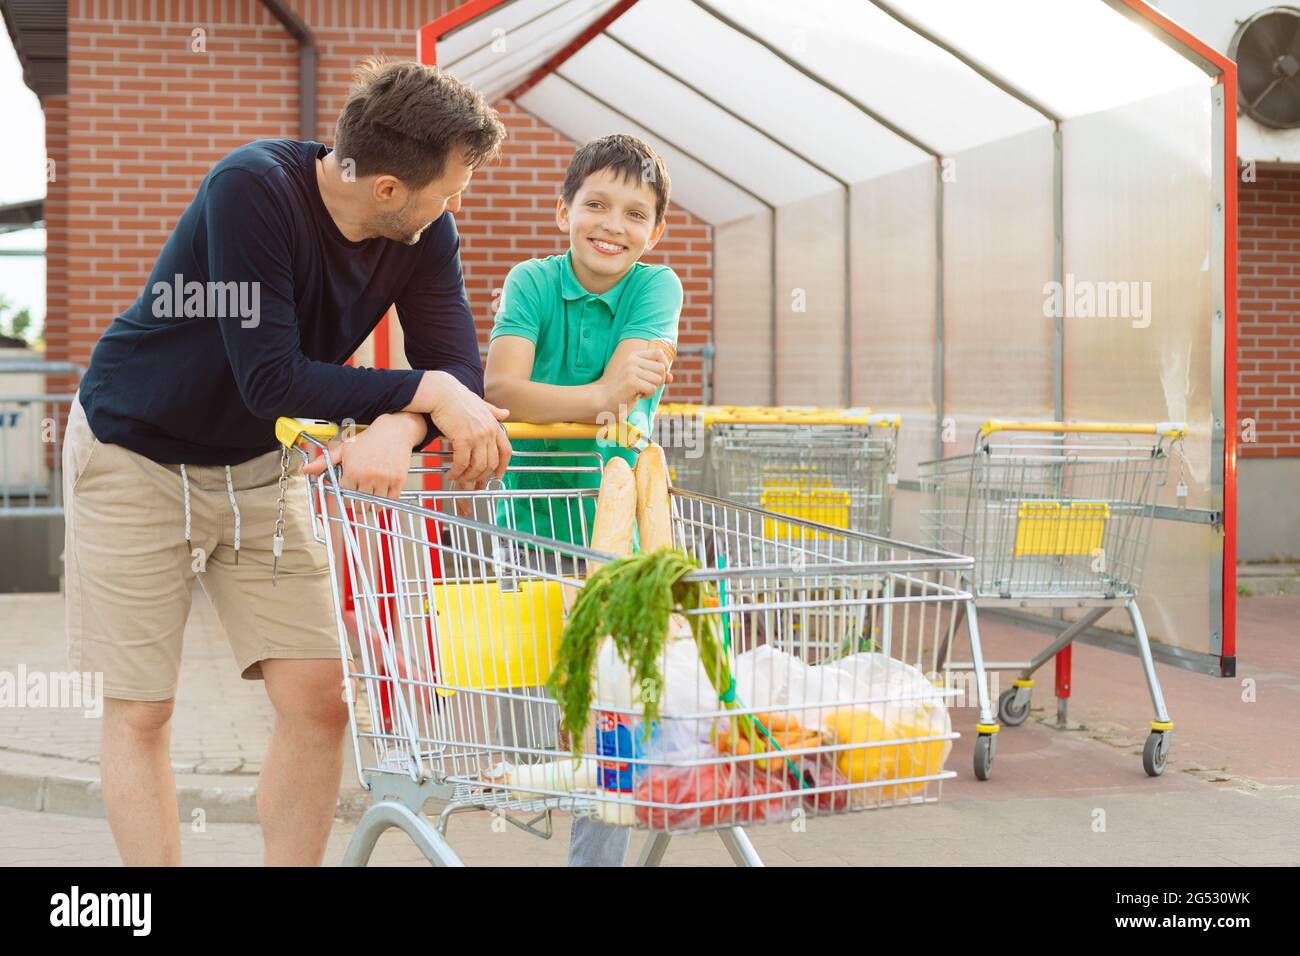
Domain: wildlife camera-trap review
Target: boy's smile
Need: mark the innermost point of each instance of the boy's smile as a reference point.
(606, 248)
(611, 226)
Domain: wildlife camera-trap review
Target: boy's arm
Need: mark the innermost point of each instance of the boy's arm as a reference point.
(635, 370)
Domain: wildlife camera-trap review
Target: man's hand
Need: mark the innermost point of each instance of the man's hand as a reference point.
(375, 460)
(638, 377)
(480, 448)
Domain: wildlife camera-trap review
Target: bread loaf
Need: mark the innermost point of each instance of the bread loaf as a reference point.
(653, 512)
(615, 512)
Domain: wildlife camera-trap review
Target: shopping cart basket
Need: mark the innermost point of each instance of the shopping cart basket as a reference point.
(1056, 515)
(831, 466)
(463, 627)
(681, 429)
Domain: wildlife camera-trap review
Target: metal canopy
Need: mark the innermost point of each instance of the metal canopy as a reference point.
(895, 184)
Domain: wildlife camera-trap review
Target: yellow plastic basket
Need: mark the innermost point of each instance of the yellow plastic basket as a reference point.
(489, 639)
(1060, 528)
(809, 499)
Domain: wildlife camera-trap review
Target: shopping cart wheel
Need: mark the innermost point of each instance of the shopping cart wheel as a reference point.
(1011, 711)
(1155, 752)
(986, 746)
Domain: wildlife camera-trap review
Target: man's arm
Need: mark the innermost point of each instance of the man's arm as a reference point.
(248, 243)
(437, 324)
(439, 337)
(635, 370)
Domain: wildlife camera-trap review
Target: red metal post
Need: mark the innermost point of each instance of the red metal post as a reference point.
(1063, 670)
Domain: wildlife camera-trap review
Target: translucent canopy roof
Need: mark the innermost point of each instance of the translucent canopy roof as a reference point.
(897, 187)
(757, 104)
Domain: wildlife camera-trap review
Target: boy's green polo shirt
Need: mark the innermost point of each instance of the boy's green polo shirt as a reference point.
(574, 333)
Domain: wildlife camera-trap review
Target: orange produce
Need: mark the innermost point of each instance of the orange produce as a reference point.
(899, 761)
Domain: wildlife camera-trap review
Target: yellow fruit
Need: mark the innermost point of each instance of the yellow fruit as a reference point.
(900, 761)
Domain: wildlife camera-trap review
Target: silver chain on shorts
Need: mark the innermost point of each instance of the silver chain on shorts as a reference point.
(277, 543)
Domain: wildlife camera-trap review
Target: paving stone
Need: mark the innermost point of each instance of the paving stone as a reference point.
(1231, 795)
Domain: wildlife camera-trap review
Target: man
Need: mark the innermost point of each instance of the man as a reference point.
(281, 266)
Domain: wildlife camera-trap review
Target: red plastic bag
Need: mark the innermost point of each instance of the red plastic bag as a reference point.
(685, 785)
(822, 773)
(752, 782)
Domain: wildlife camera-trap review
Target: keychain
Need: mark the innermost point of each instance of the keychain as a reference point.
(277, 543)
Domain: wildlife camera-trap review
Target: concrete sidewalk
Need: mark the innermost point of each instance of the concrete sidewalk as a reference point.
(49, 758)
(1228, 796)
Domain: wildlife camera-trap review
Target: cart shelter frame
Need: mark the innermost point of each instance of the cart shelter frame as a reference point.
(542, 55)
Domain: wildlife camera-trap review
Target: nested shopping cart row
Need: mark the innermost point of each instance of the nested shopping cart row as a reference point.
(1056, 516)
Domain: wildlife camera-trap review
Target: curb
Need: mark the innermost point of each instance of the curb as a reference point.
(73, 788)
(1268, 580)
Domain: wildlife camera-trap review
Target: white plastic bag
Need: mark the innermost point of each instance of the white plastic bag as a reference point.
(686, 691)
(771, 679)
(686, 688)
(903, 706)
(905, 695)
(860, 699)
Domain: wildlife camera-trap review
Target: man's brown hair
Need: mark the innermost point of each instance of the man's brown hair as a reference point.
(635, 160)
(404, 118)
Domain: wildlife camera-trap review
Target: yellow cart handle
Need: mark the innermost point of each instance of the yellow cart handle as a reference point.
(290, 431)
(763, 415)
(777, 415)
(625, 433)
(1166, 429)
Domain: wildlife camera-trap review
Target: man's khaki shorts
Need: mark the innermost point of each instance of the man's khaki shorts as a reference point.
(130, 573)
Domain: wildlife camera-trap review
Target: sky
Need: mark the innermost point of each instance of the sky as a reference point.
(22, 176)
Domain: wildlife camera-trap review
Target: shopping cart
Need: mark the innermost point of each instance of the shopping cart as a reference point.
(831, 466)
(834, 468)
(460, 614)
(1056, 515)
(682, 431)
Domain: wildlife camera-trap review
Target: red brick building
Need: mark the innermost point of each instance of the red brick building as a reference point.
(142, 96)
(1268, 342)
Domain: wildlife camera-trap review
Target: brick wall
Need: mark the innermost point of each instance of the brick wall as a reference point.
(57, 343)
(145, 117)
(1268, 312)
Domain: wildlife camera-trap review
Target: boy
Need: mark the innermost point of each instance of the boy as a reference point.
(575, 340)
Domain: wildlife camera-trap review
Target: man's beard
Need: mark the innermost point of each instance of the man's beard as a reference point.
(397, 226)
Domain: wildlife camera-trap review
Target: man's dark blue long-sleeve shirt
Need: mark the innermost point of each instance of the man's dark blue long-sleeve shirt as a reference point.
(255, 301)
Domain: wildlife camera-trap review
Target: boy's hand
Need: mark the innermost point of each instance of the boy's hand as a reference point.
(376, 460)
(638, 377)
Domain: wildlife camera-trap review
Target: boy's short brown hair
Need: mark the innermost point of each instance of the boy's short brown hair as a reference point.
(403, 118)
(624, 154)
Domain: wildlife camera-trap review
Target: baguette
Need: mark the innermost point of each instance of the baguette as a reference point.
(611, 529)
(615, 512)
(653, 512)
(654, 518)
